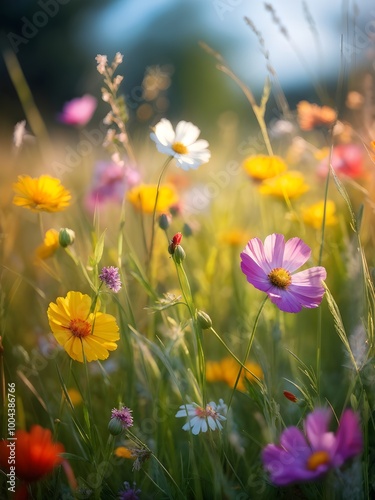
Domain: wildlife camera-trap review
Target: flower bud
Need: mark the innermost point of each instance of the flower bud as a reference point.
(290, 396)
(186, 230)
(204, 320)
(179, 254)
(66, 237)
(164, 222)
(115, 427)
(175, 241)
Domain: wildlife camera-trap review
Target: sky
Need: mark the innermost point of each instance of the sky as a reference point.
(220, 23)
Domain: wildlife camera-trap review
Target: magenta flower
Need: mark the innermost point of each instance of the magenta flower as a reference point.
(78, 111)
(305, 458)
(110, 183)
(269, 268)
(123, 415)
(347, 160)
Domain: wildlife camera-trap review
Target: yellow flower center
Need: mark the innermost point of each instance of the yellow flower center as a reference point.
(179, 148)
(318, 458)
(280, 277)
(80, 327)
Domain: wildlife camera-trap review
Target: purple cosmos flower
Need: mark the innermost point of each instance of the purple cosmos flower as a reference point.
(269, 269)
(305, 458)
(110, 183)
(111, 277)
(78, 111)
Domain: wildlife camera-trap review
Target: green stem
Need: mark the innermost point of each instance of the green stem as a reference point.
(319, 332)
(233, 355)
(186, 292)
(151, 249)
(258, 111)
(248, 348)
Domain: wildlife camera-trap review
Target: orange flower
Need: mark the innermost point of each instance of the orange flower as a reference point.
(226, 370)
(311, 115)
(123, 452)
(36, 455)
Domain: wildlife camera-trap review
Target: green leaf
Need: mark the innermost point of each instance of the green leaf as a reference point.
(99, 247)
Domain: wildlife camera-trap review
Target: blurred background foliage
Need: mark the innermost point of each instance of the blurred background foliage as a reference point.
(58, 57)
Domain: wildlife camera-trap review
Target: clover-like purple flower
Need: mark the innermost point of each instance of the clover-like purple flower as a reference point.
(305, 457)
(269, 268)
(110, 276)
(123, 415)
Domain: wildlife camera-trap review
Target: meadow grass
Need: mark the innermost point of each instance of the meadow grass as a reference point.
(190, 330)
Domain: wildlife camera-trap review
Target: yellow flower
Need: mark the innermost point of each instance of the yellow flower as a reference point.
(123, 452)
(313, 215)
(226, 370)
(143, 198)
(75, 396)
(78, 330)
(262, 167)
(234, 237)
(44, 193)
(291, 185)
(49, 245)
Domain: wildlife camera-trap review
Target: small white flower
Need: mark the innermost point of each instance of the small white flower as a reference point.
(200, 419)
(182, 144)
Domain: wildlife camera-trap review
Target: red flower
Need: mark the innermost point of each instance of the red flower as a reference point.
(347, 160)
(31, 456)
(36, 455)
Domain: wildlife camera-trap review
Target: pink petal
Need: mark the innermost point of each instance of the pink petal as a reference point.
(255, 250)
(309, 297)
(254, 273)
(296, 254)
(316, 426)
(284, 300)
(274, 246)
(308, 277)
(349, 440)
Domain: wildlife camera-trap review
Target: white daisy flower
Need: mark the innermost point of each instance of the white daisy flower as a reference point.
(182, 144)
(200, 419)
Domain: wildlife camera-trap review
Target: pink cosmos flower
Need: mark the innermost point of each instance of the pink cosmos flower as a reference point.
(109, 185)
(78, 111)
(269, 268)
(306, 457)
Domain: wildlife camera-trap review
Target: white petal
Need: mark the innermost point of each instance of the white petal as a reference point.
(186, 133)
(197, 426)
(163, 133)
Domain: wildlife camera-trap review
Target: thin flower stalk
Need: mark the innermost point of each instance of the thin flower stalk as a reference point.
(151, 248)
(248, 349)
